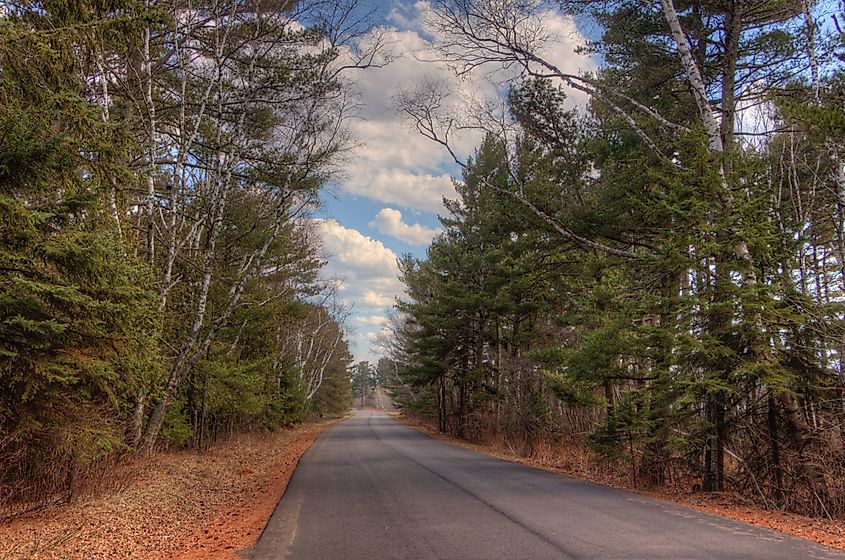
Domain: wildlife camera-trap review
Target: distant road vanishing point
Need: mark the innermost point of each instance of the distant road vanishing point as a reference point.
(371, 488)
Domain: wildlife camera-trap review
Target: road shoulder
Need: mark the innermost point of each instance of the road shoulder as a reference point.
(825, 532)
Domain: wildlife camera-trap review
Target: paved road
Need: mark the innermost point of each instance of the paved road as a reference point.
(371, 488)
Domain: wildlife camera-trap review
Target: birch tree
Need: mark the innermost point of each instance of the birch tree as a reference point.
(254, 101)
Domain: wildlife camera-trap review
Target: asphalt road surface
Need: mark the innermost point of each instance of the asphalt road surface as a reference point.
(371, 488)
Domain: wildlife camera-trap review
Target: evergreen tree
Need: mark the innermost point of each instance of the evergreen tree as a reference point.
(78, 320)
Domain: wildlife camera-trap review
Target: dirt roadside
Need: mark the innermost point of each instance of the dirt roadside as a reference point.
(185, 505)
(826, 532)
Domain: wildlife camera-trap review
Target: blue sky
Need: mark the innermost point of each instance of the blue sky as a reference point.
(387, 200)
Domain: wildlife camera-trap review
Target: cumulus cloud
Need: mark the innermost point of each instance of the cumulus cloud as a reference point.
(560, 50)
(406, 187)
(389, 222)
(398, 166)
(393, 163)
(377, 320)
(368, 276)
(372, 299)
(352, 251)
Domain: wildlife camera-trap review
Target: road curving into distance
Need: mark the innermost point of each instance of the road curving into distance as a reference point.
(370, 488)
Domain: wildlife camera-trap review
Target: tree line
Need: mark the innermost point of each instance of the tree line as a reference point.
(159, 161)
(659, 274)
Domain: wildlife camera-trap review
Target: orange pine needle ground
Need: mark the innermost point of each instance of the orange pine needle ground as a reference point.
(184, 505)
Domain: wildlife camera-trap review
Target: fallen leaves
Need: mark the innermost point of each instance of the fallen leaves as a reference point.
(823, 531)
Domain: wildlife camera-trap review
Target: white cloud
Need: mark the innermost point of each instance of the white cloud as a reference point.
(373, 299)
(560, 50)
(395, 185)
(397, 165)
(389, 222)
(402, 16)
(369, 280)
(354, 252)
(377, 320)
(393, 163)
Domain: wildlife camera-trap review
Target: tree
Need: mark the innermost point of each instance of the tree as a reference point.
(476, 308)
(157, 165)
(231, 102)
(679, 216)
(363, 382)
(78, 316)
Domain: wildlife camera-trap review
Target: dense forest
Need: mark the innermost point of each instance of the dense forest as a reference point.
(159, 285)
(658, 274)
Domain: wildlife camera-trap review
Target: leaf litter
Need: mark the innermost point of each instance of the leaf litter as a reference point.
(184, 505)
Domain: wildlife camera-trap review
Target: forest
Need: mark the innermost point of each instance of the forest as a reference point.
(159, 270)
(657, 274)
(646, 261)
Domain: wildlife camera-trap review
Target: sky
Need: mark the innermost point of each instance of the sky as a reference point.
(387, 201)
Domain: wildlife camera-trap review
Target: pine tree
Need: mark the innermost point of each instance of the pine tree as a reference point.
(78, 322)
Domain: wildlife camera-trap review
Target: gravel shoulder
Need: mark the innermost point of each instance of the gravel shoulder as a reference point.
(176, 505)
